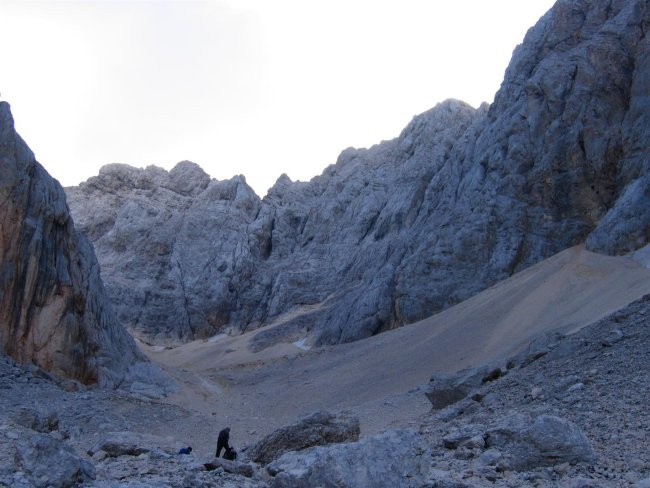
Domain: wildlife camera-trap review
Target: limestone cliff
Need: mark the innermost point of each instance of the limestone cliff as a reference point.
(388, 235)
(53, 309)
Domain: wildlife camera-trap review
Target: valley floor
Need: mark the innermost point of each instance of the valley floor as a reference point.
(380, 378)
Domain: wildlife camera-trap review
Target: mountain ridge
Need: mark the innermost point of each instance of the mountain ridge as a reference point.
(388, 235)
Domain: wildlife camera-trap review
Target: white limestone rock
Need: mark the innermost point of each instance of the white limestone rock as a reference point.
(462, 199)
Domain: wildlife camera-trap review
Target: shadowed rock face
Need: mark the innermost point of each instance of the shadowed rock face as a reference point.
(53, 311)
(461, 199)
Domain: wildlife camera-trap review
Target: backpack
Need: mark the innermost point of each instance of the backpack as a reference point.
(230, 454)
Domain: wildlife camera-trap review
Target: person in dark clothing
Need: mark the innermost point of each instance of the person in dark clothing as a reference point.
(185, 450)
(222, 441)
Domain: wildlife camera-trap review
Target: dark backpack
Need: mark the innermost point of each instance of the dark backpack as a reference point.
(230, 454)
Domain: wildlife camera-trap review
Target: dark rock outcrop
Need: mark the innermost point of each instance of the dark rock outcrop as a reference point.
(318, 429)
(53, 308)
(463, 198)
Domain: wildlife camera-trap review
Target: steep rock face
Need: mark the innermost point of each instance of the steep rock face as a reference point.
(388, 235)
(553, 154)
(169, 244)
(53, 310)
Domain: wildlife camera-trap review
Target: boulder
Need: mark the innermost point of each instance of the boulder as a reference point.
(317, 429)
(546, 440)
(445, 389)
(394, 458)
(39, 420)
(116, 444)
(51, 463)
(233, 467)
(468, 434)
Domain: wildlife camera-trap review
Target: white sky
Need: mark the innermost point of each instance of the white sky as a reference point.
(252, 87)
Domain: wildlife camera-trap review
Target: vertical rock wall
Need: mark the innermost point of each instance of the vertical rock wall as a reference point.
(53, 310)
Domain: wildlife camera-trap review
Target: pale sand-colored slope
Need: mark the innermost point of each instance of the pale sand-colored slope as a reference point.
(255, 393)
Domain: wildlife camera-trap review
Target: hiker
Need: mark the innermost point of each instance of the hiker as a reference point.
(222, 441)
(185, 450)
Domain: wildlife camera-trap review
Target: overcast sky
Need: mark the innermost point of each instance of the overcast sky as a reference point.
(252, 87)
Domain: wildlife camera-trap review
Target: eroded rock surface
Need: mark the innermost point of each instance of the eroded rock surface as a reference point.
(388, 235)
(318, 429)
(53, 309)
(394, 458)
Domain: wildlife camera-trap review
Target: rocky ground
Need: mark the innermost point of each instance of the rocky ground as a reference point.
(584, 395)
(597, 378)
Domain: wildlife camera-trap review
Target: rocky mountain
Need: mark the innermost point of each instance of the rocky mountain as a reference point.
(53, 308)
(391, 234)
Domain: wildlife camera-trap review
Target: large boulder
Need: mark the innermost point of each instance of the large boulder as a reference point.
(546, 440)
(233, 467)
(51, 463)
(317, 429)
(394, 458)
(445, 389)
(53, 308)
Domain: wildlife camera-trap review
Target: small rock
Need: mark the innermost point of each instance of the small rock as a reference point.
(461, 436)
(612, 338)
(576, 387)
(536, 393)
(99, 456)
(644, 483)
(580, 483)
(40, 421)
(490, 457)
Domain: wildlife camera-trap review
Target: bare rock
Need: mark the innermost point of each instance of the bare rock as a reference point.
(388, 235)
(461, 436)
(116, 444)
(38, 420)
(53, 308)
(612, 338)
(233, 467)
(544, 441)
(318, 429)
(51, 463)
(445, 389)
(394, 458)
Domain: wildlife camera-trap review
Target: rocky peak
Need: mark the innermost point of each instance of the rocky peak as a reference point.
(188, 178)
